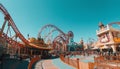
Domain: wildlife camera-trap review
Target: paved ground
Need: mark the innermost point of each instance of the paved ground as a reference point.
(38, 65)
(48, 64)
(85, 59)
(43, 64)
(52, 64)
(55, 63)
(61, 65)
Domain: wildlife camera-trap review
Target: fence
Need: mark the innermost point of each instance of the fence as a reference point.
(107, 62)
(33, 60)
(76, 63)
(72, 62)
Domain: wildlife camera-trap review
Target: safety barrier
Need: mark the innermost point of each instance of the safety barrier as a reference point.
(76, 63)
(33, 60)
(107, 62)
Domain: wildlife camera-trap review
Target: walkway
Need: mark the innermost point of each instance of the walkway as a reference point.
(48, 64)
(85, 59)
(61, 64)
(52, 64)
(39, 65)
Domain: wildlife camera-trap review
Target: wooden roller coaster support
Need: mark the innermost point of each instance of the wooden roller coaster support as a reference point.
(31, 52)
(17, 46)
(11, 23)
(19, 51)
(3, 26)
(27, 50)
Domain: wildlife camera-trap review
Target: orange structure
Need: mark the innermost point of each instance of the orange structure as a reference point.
(15, 43)
(77, 63)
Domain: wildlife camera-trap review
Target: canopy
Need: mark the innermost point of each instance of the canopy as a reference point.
(95, 47)
(104, 47)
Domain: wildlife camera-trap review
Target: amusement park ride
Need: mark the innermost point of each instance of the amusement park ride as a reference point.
(54, 40)
(51, 41)
(15, 43)
(9, 39)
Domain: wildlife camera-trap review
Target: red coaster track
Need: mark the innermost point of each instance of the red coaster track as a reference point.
(60, 39)
(8, 20)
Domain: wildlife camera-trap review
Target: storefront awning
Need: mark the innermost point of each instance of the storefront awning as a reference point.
(94, 48)
(104, 47)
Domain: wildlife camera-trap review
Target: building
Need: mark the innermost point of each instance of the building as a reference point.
(108, 37)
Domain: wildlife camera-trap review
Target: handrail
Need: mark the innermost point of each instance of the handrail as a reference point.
(73, 63)
(33, 60)
(106, 61)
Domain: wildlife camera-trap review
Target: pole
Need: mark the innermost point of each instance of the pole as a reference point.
(78, 63)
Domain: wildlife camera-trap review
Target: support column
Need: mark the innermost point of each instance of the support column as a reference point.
(19, 51)
(114, 48)
(31, 52)
(65, 48)
(41, 52)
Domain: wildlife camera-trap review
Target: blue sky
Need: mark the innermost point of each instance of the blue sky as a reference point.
(80, 16)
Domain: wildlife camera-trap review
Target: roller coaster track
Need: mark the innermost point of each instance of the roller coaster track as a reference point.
(60, 38)
(10, 40)
(110, 24)
(11, 23)
(53, 26)
(61, 34)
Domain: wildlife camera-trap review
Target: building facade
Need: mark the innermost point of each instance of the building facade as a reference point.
(108, 37)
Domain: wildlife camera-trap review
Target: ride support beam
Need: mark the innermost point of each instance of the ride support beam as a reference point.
(19, 51)
(31, 52)
(8, 29)
(3, 26)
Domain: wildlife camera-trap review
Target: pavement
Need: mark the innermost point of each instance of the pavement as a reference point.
(48, 64)
(52, 64)
(85, 59)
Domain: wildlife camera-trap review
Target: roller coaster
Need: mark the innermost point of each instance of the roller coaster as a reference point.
(55, 37)
(15, 43)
